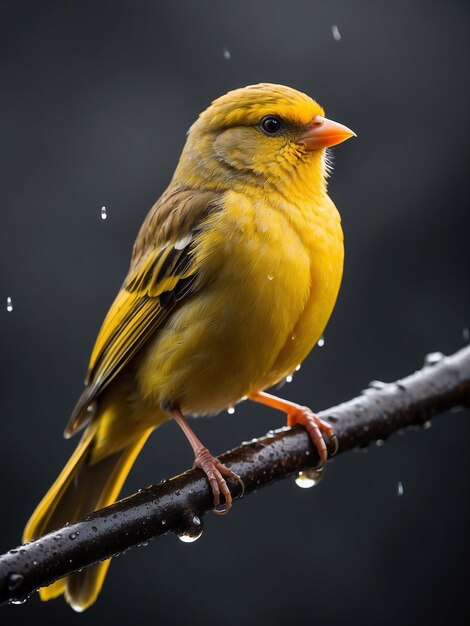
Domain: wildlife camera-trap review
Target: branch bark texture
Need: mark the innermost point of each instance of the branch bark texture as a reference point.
(178, 505)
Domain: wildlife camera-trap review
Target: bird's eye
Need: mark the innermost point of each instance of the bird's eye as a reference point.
(271, 124)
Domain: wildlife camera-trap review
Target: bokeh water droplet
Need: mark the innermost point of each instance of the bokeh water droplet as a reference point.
(310, 478)
(335, 32)
(321, 342)
(104, 213)
(400, 489)
(227, 55)
(9, 305)
(427, 425)
(379, 443)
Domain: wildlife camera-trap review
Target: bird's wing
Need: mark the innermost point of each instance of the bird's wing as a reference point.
(158, 281)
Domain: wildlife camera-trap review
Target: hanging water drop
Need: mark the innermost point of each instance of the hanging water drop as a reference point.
(321, 342)
(335, 32)
(298, 367)
(270, 276)
(400, 488)
(227, 55)
(289, 378)
(9, 305)
(194, 531)
(104, 214)
(231, 410)
(310, 478)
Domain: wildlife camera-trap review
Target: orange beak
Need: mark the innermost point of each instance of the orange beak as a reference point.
(324, 133)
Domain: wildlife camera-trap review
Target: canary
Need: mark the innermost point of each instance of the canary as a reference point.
(233, 277)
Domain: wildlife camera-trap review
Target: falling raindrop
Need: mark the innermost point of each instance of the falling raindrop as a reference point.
(289, 378)
(321, 342)
(104, 214)
(9, 305)
(335, 32)
(231, 410)
(310, 478)
(466, 334)
(400, 488)
(227, 55)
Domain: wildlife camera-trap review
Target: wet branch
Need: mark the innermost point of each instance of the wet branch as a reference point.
(178, 505)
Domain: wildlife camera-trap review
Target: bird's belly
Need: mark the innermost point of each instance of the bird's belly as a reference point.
(254, 322)
(221, 343)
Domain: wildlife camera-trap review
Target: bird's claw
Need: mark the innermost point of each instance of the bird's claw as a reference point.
(315, 427)
(215, 471)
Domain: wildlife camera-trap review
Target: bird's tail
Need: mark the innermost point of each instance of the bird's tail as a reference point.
(85, 484)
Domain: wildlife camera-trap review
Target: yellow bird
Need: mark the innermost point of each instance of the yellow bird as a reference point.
(233, 277)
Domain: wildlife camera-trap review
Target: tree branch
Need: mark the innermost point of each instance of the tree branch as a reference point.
(178, 505)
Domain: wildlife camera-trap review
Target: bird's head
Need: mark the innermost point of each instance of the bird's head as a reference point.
(260, 135)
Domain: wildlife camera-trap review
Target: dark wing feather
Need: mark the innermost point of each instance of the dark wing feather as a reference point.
(160, 279)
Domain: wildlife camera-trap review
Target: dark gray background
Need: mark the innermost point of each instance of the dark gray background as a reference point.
(95, 101)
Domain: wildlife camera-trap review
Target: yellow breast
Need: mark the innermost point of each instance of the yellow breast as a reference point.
(272, 273)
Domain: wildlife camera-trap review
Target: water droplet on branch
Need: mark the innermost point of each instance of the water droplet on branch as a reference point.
(194, 530)
(14, 580)
(433, 358)
(309, 478)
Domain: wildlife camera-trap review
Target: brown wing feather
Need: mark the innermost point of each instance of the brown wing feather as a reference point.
(160, 276)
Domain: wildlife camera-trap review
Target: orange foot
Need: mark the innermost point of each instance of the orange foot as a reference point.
(297, 414)
(214, 469)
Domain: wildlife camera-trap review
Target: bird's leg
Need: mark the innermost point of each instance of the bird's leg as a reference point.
(210, 465)
(297, 414)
